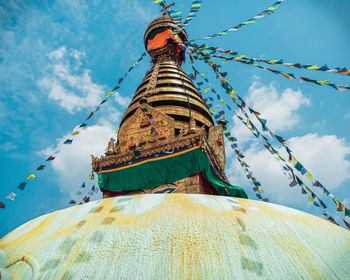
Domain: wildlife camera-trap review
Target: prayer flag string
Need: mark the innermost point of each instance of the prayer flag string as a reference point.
(195, 7)
(32, 176)
(293, 160)
(84, 198)
(249, 124)
(290, 76)
(176, 16)
(275, 62)
(256, 185)
(270, 10)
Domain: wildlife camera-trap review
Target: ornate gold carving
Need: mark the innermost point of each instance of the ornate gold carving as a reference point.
(146, 126)
(151, 86)
(216, 143)
(148, 150)
(192, 126)
(110, 147)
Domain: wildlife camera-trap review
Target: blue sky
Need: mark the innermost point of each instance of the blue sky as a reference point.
(58, 58)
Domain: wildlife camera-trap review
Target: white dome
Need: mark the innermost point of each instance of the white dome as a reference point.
(177, 236)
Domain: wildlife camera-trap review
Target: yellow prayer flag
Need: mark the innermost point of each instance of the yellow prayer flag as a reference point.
(314, 67)
(206, 90)
(31, 176)
(323, 82)
(75, 132)
(249, 22)
(240, 56)
(272, 8)
(232, 93)
(309, 176)
(109, 94)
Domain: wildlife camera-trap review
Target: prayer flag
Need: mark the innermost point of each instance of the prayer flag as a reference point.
(68, 141)
(31, 176)
(103, 101)
(72, 202)
(50, 158)
(22, 186)
(11, 196)
(340, 206)
(41, 167)
(90, 115)
(91, 176)
(2, 205)
(347, 212)
(346, 223)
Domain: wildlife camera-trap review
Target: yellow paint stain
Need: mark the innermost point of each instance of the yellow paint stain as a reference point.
(185, 238)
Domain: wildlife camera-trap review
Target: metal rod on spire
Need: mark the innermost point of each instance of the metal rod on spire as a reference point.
(166, 8)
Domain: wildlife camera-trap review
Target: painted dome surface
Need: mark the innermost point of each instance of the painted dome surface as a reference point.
(177, 236)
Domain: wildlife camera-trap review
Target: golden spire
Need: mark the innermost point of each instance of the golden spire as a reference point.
(166, 114)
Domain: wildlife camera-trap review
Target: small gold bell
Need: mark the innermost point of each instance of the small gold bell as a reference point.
(192, 126)
(110, 148)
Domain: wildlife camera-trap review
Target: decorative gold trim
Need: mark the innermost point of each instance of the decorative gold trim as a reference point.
(170, 70)
(169, 81)
(173, 89)
(167, 75)
(175, 97)
(176, 143)
(176, 110)
(150, 160)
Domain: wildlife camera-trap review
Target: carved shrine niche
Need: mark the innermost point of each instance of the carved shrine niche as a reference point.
(216, 144)
(147, 127)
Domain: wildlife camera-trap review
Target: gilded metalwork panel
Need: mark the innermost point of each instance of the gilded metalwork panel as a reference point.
(145, 127)
(216, 143)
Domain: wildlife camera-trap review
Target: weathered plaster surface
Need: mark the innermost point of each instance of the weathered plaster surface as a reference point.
(176, 236)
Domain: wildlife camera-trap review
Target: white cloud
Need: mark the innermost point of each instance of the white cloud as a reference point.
(7, 146)
(324, 156)
(71, 86)
(57, 92)
(280, 109)
(58, 54)
(73, 89)
(77, 55)
(122, 100)
(72, 164)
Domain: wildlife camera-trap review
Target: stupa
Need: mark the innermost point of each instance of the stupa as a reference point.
(168, 210)
(167, 141)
